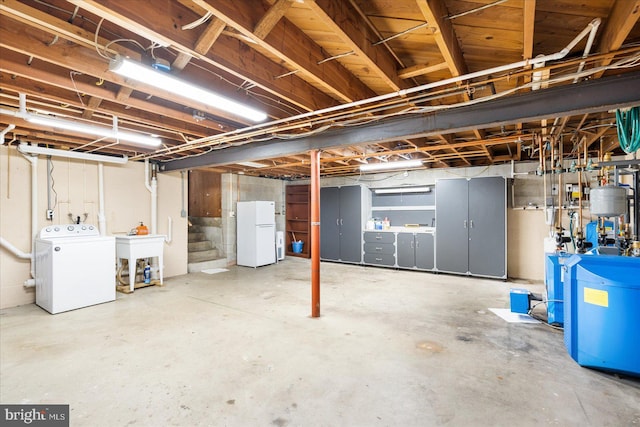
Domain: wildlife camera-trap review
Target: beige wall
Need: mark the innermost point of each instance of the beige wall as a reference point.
(526, 231)
(127, 202)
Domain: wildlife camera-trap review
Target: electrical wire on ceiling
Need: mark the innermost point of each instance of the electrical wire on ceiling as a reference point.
(351, 118)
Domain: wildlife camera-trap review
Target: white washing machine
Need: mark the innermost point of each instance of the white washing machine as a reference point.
(74, 267)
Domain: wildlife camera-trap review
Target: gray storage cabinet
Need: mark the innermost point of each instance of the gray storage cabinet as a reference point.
(471, 223)
(379, 248)
(341, 223)
(415, 250)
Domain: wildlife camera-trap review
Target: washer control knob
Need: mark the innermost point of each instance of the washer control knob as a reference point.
(56, 229)
(91, 227)
(70, 227)
(48, 229)
(84, 228)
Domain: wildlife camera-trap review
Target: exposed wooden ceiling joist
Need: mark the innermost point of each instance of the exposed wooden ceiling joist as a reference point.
(295, 49)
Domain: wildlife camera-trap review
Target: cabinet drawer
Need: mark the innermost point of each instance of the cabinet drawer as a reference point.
(379, 248)
(370, 236)
(380, 259)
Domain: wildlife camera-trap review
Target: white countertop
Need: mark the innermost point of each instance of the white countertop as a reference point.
(401, 229)
(139, 237)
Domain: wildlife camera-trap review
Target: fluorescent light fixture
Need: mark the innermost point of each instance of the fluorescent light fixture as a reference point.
(165, 81)
(403, 164)
(34, 149)
(402, 190)
(102, 131)
(253, 164)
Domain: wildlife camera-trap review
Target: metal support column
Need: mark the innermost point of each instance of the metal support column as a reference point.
(315, 233)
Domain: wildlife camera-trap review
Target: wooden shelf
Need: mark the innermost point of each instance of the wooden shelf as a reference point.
(298, 212)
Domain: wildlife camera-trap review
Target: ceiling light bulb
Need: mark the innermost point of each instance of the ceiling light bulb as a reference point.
(403, 164)
(165, 81)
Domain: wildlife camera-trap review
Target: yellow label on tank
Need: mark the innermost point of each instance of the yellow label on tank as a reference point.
(596, 297)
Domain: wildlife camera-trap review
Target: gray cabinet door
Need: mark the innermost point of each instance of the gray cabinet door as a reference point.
(452, 238)
(405, 250)
(351, 223)
(487, 226)
(330, 223)
(425, 251)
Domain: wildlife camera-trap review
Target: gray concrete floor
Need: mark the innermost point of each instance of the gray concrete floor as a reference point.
(392, 348)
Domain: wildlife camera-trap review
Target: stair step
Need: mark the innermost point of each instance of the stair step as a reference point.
(196, 237)
(203, 245)
(200, 256)
(195, 267)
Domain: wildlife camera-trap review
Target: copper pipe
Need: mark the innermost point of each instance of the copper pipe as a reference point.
(560, 189)
(580, 200)
(315, 233)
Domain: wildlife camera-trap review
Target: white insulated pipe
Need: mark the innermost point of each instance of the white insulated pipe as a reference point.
(5, 131)
(169, 235)
(587, 49)
(33, 160)
(151, 183)
(536, 77)
(15, 251)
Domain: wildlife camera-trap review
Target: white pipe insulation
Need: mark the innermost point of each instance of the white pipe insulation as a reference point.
(33, 160)
(592, 35)
(5, 131)
(169, 235)
(151, 183)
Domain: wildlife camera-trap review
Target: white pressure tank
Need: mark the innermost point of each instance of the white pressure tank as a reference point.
(608, 200)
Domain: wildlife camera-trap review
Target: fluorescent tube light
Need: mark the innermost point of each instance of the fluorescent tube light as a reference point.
(253, 164)
(165, 81)
(94, 130)
(34, 149)
(402, 190)
(403, 164)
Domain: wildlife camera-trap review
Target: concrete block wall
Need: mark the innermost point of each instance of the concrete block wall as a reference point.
(247, 188)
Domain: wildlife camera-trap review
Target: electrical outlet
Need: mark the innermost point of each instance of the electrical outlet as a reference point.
(232, 214)
(49, 214)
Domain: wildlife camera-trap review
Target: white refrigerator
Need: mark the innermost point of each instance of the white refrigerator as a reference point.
(256, 233)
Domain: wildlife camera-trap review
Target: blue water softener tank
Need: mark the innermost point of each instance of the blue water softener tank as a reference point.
(592, 231)
(602, 312)
(553, 280)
